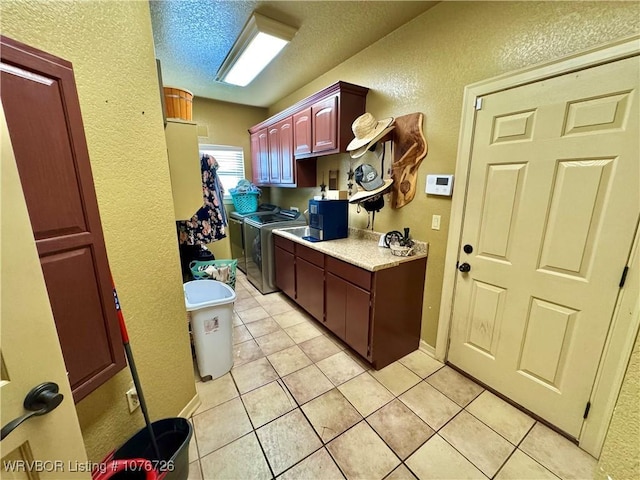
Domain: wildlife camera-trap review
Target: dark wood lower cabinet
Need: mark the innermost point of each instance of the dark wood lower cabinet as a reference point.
(285, 272)
(310, 288)
(378, 314)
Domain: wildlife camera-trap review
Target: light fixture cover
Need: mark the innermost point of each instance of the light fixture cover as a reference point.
(261, 39)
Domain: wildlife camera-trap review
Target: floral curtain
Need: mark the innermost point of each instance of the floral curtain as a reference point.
(210, 221)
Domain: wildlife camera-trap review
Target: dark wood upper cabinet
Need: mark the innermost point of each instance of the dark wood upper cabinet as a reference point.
(275, 156)
(324, 125)
(302, 132)
(320, 125)
(41, 105)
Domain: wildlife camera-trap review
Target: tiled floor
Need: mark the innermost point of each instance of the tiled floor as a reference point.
(298, 404)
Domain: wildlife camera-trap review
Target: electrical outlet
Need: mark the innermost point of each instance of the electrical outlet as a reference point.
(295, 209)
(132, 399)
(435, 222)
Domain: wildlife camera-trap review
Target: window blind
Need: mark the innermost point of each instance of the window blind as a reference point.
(230, 164)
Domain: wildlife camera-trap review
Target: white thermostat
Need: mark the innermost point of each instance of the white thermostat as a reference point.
(439, 185)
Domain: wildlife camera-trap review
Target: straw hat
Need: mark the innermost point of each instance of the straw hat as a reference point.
(367, 131)
(367, 177)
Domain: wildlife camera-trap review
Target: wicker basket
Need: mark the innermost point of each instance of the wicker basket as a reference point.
(199, 269)
(245, 202)
(178, 103)
(399, 251)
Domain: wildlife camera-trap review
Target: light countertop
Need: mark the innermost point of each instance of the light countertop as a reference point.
(360, 248)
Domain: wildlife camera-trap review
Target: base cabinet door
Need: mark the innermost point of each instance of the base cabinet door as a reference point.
(285, 272)
(310, 288)
(336, 305)
(357, 319)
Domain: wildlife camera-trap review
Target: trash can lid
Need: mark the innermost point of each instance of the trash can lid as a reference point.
(207, 293)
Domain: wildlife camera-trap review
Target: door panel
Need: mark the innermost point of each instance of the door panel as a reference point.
(551, 210)
(41, 105)
(30, 353)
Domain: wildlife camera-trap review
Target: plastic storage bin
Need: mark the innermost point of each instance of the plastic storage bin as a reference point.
(210, 307)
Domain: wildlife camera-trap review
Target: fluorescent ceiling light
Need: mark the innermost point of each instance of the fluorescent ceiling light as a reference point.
(260, 41)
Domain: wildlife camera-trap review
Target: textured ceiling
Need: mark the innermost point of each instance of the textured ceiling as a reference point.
(192, 38)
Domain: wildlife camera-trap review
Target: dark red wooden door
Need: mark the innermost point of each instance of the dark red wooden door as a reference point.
(41, 105)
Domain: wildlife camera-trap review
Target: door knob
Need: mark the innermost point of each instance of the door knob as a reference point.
(464, 267)
(39, 401)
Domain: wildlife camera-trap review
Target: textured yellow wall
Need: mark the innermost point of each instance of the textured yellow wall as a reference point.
(424, 67)
(111, 47)
(620, 458)
(227, 124)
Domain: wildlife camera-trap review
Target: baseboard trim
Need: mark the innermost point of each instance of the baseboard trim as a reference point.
(190, 407)
(428, 349)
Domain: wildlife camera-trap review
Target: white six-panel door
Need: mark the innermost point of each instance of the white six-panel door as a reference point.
(552, 206)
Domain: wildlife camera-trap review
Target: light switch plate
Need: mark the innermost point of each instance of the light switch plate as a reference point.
(435, 222)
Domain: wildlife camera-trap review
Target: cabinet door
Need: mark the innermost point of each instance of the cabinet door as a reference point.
(302, 132)
(336, 291)
(357, 319)
(287, 171)
(285, 272)
(324, 124)
(260, 157)
(274, 154)
(310, 288)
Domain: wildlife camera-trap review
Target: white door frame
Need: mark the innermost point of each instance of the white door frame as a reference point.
(624, 327)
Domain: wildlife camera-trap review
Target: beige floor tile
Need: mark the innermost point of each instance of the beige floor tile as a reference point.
(331, 414)
(361, 454)
(339, 368)
(478, 443)
(430, 405)
(274, 342)
(303, 331)
(274, 297)
(420, 363)
(253, 375)
(236, 320)
(289, 360)
(558, 454)
(505, 419)
(220, 425)
(396, 378)
(241, 459)
(279, 306)
(215, 392)
(194, 471)
(246, 352)
(401, 473)
(520, 466)
(241, 292)
(365, 393)
(307, 383)
(241, 334)
(292, 317)
(252, 314)
(268, 403)
(319, 465)
(245, 304)
(400, 428)
(193, 448)
(455, 386)
(262, 327)
(437, 460)
(319, 348)
(287, 440)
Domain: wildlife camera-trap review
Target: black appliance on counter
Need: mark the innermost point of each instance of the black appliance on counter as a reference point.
(236, 232)
(328, 220)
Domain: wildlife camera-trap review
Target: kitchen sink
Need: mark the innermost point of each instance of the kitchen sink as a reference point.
(301, 232)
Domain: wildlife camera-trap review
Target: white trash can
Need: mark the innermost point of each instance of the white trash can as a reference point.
(210, 307)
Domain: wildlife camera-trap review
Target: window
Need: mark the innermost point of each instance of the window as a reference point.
(230, 164)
